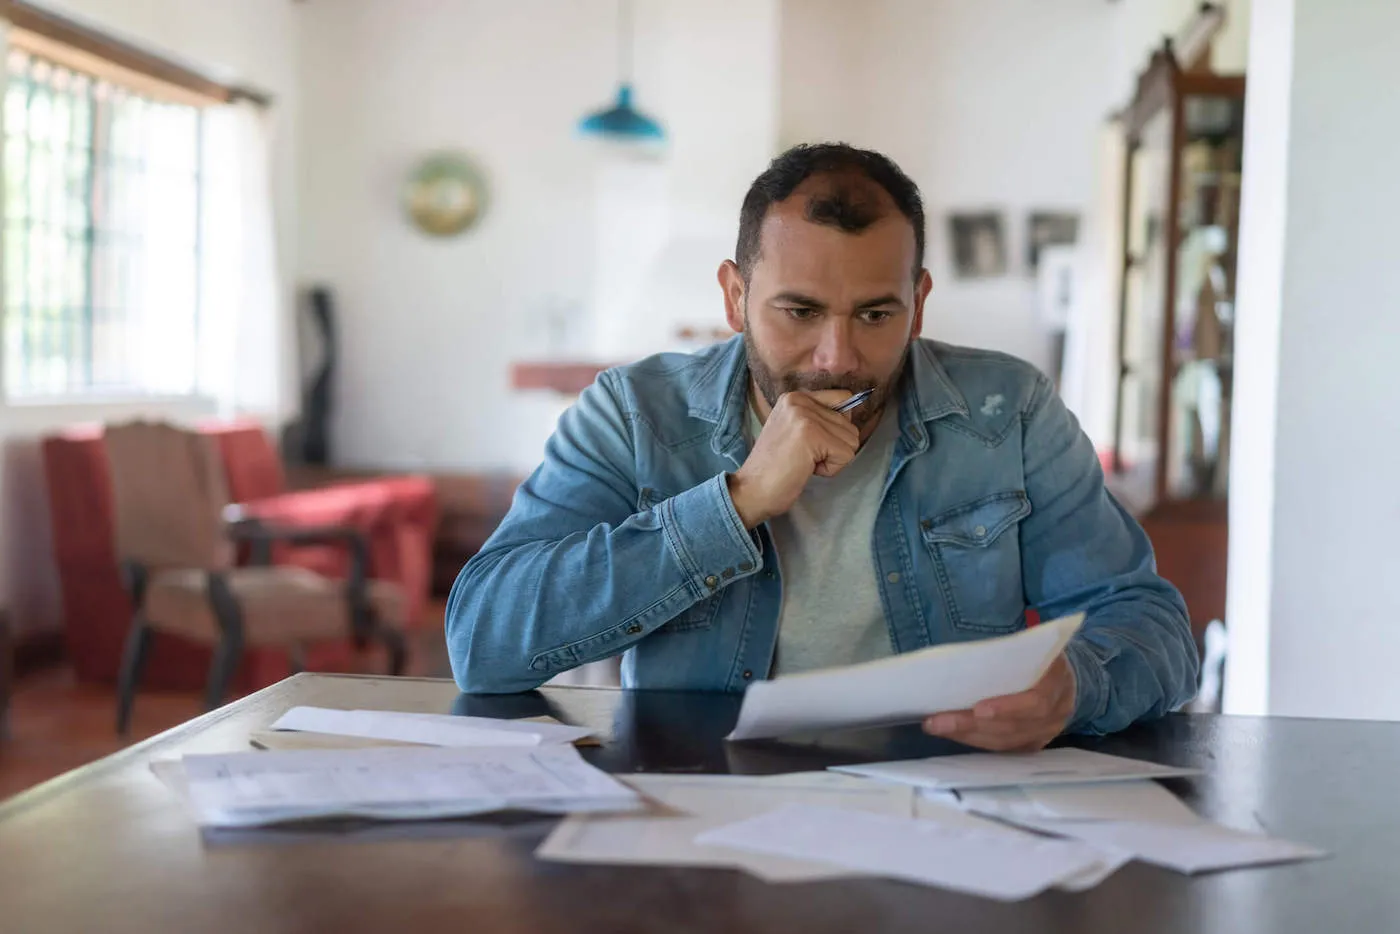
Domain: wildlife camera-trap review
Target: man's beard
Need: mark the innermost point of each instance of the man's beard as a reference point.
(773, 384)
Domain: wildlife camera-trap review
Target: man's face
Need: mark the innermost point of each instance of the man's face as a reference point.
(825, 308)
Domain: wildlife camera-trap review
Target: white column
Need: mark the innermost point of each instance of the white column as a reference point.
(1315, 474)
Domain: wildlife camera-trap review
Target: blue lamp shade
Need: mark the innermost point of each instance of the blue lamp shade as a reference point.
(622, 120)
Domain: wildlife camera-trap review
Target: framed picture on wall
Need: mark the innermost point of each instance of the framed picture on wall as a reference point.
(979, 244)
(1049, 228)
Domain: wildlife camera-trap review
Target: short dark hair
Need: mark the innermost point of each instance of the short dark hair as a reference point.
(841, 208)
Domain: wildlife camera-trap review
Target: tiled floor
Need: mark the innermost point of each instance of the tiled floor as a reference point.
(58, 724)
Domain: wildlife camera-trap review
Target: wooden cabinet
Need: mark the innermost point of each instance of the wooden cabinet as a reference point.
(1180, 226)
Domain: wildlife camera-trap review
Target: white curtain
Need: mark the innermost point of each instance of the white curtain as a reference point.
(243, 323)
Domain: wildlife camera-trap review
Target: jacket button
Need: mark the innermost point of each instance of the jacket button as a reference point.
(634, 628)
(728, 573)
(927, 524)
(746, 567)
(748, 675)
(892, 577)
(712, 582)
(980, 531)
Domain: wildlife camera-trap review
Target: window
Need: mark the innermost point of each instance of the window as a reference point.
(101, 246)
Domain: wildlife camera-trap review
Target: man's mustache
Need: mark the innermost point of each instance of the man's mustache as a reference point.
(816, 382)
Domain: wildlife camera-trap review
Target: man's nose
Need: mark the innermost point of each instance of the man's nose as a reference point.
(835, 352)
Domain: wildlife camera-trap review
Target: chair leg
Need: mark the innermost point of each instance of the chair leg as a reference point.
(230, 649)
(398, 651)
(221, 670)
(138, 645)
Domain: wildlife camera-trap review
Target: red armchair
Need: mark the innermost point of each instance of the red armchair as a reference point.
(399, 513)
(396, 514)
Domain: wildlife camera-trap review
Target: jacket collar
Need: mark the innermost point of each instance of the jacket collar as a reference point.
(720, 393)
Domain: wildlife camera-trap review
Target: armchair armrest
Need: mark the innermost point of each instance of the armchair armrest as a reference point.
(261, 536)
(367, 509)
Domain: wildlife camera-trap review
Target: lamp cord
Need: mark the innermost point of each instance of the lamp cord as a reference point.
(624, 40)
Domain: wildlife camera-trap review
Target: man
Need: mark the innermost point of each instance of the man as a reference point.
(712, 517)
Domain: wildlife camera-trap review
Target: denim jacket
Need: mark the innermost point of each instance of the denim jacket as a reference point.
(625, 540)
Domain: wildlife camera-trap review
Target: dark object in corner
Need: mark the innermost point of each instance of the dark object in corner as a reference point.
(307, 439)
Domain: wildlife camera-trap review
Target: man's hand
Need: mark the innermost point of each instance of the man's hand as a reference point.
(802, 437)
(1021, 722)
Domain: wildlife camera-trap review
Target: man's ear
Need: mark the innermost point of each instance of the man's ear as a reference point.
(731, 282)
(921, 290)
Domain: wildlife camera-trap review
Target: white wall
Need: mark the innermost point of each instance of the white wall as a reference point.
(986, 105)
(1311, 603)
(250, 41)
(430, 327)
(996, 104)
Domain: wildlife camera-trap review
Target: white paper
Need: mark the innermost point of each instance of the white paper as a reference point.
(705, 802)
(946, 808)
(549, 730)
(1143, 800)
(426, 729)
(1001, 769)
(1131, 801)
(905, 688)
(1195, 847)
(254, 788)
(1005, 866)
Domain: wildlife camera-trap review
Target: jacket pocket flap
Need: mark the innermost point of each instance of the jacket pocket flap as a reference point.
(977, 524)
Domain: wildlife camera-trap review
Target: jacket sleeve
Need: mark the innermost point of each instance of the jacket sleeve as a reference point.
(577, 572)
(1134, 657)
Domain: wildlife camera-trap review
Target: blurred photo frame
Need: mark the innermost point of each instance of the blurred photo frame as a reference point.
(1049, 228)
(978, 240)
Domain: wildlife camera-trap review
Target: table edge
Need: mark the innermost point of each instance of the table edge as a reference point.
(43, 791)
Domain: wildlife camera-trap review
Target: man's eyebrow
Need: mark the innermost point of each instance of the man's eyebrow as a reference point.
(883, 300)
(797, 298)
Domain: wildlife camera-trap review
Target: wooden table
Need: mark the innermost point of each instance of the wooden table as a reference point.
(108, 848)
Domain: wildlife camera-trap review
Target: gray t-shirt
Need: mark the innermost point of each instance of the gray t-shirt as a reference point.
(831, 611)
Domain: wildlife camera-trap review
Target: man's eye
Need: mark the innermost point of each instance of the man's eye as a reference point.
(875, 315)
(802, 313)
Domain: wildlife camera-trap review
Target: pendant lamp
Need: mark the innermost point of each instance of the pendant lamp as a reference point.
(622, 121)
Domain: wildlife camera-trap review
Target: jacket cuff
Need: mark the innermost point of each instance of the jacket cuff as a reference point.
(705, 532)
(1090, 685)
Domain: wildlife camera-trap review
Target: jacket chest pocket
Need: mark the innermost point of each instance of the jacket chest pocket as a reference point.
(976, 553)
(697, 616)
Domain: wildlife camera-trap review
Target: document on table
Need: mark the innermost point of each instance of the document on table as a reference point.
(1000, 769)
(947, 808)
(1005, 866)
(904, 688)
(399, 783)
(1142, 800)
(1199, 846)
(693, 804)
(427, 729)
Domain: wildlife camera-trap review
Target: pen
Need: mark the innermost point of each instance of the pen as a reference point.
(854, 401)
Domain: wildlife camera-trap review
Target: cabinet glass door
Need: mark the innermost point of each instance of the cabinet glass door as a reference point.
(1202, 359)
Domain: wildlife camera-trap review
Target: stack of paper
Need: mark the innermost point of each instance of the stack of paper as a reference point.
(692, 818)
(1104, 801)
(1001, 865)
(1001, 769)
(257, 788)
(428, 729)
(1078, 817)
(687, 806)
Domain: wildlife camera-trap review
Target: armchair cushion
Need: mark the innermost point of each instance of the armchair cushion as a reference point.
(279, 605)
